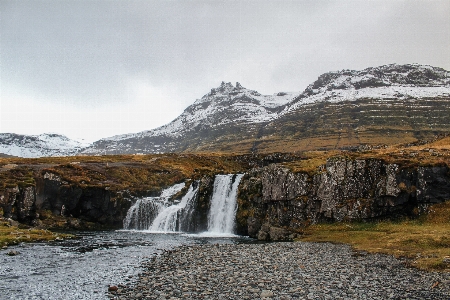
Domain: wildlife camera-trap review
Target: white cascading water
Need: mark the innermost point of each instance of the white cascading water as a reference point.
(140, 216)
(222, 214)
(168, 218)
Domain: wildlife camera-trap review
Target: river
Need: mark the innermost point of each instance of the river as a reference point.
(83, 268)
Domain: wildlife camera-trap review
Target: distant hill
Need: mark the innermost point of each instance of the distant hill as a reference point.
(47, 144)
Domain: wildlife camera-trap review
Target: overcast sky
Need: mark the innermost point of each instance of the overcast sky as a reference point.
(94, 69)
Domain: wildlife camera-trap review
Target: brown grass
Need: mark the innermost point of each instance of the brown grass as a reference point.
(12, 235)
(118, 172)
(425, 242)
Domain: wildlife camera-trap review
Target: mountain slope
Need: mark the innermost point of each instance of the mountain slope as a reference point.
(381, 105)
(226, 110)
(384, 105)
(47, 144)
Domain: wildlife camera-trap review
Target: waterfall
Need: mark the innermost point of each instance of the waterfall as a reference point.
(170, 218)
(222, 214)
(140, 216)
(160, 214)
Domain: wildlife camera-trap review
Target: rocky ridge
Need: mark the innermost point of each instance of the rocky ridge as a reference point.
(224, 109)
(274, 202)
(388, 81)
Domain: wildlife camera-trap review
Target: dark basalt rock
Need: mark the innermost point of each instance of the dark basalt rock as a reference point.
(273, 199)
(92, 204)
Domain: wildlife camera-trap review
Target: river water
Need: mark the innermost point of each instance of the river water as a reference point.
(83, 268)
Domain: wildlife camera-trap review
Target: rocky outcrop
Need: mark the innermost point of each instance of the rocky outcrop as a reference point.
(274, 202)
(199, 217)
(19, 203)
(93, 204)
(51, 193)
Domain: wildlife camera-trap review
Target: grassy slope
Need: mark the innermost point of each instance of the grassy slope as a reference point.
(332, 126)
(117, 172)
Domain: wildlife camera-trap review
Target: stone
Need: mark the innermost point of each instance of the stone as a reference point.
(263, 236)
(112, 288)
(266, 294)
(279, 234)
(342, 189)
(13, 253)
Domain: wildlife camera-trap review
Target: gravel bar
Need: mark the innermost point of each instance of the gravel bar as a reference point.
(297, 270)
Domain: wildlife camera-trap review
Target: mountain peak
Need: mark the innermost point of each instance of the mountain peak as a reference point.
(224, 88)
(232, 117)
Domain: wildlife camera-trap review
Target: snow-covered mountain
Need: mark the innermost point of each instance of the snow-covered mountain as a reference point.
(390, 81)
(380, 105)
(30, 146)
(223, 107)
(235, 119)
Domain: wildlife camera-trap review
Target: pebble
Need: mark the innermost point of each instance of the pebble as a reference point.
(297, 270)
(12, 253)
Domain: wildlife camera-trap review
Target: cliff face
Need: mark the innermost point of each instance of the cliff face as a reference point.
(18, 203)
(273, 199)
(52, 193)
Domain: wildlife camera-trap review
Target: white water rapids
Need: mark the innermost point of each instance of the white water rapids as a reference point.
(168, 220)
(141, 215)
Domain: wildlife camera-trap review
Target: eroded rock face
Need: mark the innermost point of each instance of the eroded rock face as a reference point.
(272, 198)
(51, 193)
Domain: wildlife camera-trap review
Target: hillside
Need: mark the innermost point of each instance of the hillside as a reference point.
(279, 197)
(225, 112)
(345, 109)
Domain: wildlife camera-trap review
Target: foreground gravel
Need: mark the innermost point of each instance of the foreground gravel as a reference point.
(281, 271)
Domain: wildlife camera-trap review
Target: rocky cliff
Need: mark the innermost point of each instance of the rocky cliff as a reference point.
(51, 194)
(274, 202)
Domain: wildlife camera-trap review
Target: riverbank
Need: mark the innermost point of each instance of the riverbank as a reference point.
(425, 240)
(298, 270)
(13, 233)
